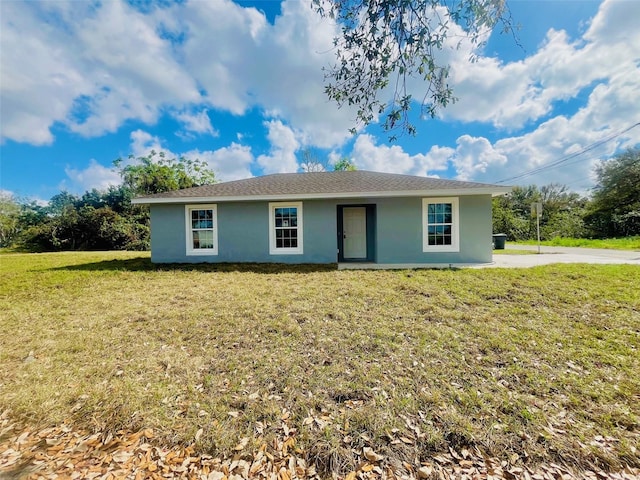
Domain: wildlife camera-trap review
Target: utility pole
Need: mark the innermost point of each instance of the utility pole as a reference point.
(536, 209)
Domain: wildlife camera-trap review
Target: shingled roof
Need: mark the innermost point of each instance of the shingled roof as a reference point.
(355, 184)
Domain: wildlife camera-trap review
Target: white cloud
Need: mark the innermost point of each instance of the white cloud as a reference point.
(603, 66)
(94, 176)
(276, 67)
(94, 67)
(199, 123)
(437, 158)
(473, 156)
(34, 93)
(228, 163)
(220, 49)
(513, 94)
(142, 143)
(83, 69)
(282, 156)
(393, 159)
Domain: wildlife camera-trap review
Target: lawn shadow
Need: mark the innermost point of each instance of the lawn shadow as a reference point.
(144, 264)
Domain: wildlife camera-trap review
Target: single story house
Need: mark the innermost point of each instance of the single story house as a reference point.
(354, 218)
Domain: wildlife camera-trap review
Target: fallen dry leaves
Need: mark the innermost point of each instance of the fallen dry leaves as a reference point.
(61, 452)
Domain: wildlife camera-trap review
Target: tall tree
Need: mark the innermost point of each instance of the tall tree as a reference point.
(60, 201)
(615, 207)
(344, 165)
(311, 162)
(155, 173)
(9, 213)
(106, 220)
(562, 212)
(385, 44)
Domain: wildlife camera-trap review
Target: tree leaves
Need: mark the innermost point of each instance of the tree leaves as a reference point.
(63, 452)
(615, 210)
(385, 43)
(157, 174)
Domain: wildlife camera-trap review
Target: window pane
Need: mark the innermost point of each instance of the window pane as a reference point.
(206, 239)
(279, 243)
(439, 213)
(203, 239)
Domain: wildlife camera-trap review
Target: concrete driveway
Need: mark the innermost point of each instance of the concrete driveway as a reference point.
(550, 255)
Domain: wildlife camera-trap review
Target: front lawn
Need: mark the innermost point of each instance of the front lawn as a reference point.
(537, 365)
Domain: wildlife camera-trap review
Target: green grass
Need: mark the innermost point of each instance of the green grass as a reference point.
(536, 362)
(626, 243)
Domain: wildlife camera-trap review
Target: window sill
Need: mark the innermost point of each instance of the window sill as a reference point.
(201, 252)
(286, 252)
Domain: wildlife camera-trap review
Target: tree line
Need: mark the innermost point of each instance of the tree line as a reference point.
(106, 220)
(99, 220)
(612, 210)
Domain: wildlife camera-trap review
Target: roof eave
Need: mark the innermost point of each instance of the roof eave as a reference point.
(494, 191)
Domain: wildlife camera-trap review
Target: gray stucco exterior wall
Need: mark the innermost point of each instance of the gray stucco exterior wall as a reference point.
(243, 232)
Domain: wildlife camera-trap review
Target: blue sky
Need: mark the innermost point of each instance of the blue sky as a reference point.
(239, 85)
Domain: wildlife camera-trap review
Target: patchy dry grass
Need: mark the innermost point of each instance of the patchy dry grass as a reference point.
(540, 363)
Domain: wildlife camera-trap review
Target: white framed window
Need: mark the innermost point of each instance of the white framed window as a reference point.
(202, 229)
(285, 228)
(440, 225)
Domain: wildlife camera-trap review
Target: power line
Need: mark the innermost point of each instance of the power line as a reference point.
(571, 156)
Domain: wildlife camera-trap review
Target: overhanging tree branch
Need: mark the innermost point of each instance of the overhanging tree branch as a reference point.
(384, 43)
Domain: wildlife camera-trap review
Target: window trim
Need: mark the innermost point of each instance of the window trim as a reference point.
(273, 250)
(455, 225)
(189, 231)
